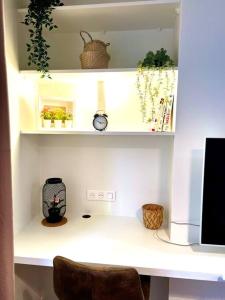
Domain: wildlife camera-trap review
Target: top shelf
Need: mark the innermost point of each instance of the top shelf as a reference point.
(132, 15)
(24, 3)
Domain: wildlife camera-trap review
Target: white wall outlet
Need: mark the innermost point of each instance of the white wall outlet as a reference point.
(96, 195)
(100, 195)
(91, 195)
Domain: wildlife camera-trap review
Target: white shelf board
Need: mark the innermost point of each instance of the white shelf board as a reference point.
(134, 15)
(72, 72)
(116, 241)
(84, 71)
(93, 132)
(81, 71)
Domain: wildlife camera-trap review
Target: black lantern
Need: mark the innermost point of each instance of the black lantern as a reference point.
(54, 200)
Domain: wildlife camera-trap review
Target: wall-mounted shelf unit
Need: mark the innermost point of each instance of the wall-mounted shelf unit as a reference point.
(79, 155)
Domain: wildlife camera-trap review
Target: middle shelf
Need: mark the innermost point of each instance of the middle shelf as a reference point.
(92, 132)
(81, 95)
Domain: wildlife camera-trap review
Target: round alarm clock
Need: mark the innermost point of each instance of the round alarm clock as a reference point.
(100, 121)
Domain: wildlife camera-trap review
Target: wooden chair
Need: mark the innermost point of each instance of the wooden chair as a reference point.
(74, 281)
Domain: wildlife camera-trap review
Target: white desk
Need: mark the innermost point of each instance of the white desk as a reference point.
(123, 241)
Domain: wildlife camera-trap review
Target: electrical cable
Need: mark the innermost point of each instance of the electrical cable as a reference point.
(183, 223)
(172, 243)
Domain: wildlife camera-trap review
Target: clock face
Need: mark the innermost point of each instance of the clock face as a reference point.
(100, 122)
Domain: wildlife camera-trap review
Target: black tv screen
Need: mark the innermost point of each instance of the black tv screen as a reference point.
(213, 202)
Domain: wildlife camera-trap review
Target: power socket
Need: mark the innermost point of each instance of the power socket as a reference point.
(96, 195)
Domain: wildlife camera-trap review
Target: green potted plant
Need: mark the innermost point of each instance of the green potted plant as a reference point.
(155, 86)
(47, 117)
(38, 18)
(58, 115)
(68, 120)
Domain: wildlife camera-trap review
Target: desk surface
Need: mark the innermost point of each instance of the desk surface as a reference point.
(117, 241)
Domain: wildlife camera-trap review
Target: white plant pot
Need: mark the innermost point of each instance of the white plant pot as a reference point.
(47, 123)
(68, 123)
(58, 123)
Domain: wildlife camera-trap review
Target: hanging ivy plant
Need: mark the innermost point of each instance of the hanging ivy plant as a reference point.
(38, 18)
(155, 85)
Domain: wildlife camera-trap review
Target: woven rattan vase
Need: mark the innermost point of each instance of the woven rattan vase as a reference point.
(94, 60)
(94, 55)
(152, 215)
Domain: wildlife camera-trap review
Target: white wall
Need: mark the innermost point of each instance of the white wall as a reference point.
(24, 161)
(138, 168)
(9, 9)
(201, 105)
(182, 289)
(200, 113)
(35, 283)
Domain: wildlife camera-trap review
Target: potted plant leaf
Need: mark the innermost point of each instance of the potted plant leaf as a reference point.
(38, 18)
(68, 120)
(58, 115)
(47, 117)
(155, 86)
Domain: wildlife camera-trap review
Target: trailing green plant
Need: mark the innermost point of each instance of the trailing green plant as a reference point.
(155, 86)
(38, 18)
(156, 60)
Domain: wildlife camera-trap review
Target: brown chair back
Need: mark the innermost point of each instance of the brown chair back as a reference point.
(74, 281)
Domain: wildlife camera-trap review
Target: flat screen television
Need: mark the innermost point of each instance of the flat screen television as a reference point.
(213, 196)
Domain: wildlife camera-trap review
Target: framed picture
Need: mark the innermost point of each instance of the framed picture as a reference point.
(55, 113)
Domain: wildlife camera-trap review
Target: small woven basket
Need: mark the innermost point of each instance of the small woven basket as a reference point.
(94, 54)
(94, 60)
(96, 45)
(152, 215)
